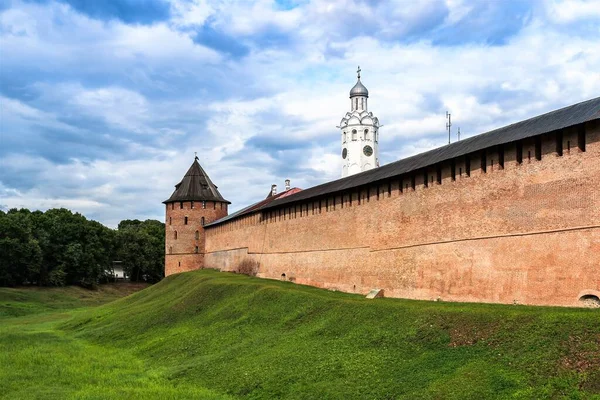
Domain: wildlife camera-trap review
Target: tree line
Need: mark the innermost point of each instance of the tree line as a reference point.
(58, 247)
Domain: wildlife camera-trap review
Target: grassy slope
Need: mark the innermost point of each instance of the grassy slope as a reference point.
(269, 339)
(40, 361)
(34, 300)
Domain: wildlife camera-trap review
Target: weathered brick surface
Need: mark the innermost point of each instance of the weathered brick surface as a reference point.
(527, 233)
(180, 253)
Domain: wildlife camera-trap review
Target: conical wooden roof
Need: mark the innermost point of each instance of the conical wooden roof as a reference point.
(196, 186)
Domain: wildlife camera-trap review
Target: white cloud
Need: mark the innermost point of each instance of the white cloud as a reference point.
(567, 11)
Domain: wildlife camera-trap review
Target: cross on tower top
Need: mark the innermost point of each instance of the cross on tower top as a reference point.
(358, 72)
(195, 155)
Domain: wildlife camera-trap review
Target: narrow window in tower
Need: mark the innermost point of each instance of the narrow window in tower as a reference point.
(366, 134)
(390, 189)
(362, 103)
(196, 249)
(185, 220)
(581, 137)
(170, 249)
(170, 220)
(202, 221)
(192, 205)
(519, 152)
(175, 235)
(538, 148)
(197, 235)
(425, 181)
(354, 135)
(172, 206)
(413, 182)
(181, 204)
(467, 165)
(501, 157)
(439, 174)
(203, 204)
(453, 169)
(344, 137)
(559, 143)
(214, 205)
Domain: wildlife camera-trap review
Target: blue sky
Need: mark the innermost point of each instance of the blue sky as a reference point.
(103, 103)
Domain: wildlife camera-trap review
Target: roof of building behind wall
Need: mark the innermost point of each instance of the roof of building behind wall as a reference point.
(565, 117)
(256, 206)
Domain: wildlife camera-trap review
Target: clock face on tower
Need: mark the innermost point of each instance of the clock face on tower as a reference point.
(344, 153)
(368, 150)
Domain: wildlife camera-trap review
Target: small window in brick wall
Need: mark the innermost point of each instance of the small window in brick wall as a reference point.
(170, 220)
(181, 204)
(197, 235)
(202, 221)
(172, 206)
(170, 249)
(196, 249)
(581, 137)
(185, 220)
(175, 235)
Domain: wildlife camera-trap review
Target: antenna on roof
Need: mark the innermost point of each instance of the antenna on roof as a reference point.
(448, 124)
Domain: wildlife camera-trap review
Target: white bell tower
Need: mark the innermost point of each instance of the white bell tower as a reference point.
(360, 133)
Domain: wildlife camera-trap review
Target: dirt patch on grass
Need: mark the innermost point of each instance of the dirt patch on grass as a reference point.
(583, 357)
(469, 335)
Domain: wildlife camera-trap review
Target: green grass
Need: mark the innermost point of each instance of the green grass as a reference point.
(207, 334)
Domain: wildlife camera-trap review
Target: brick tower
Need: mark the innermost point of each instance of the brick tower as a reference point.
(194, 203)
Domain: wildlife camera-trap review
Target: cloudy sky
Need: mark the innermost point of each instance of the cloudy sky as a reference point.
(103, 103)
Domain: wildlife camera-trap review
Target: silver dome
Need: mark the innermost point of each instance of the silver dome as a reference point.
(359, 90)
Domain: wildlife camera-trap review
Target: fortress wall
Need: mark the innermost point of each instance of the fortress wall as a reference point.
(526, 233)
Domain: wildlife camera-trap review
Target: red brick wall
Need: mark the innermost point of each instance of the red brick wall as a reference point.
(180, 253)
(526, 233)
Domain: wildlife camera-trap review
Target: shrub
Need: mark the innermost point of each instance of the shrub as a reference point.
(247, 267)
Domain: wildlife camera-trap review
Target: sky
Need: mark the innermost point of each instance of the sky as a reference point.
(103, 103)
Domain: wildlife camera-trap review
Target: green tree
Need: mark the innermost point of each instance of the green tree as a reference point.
(20, 253)
(141, 248)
